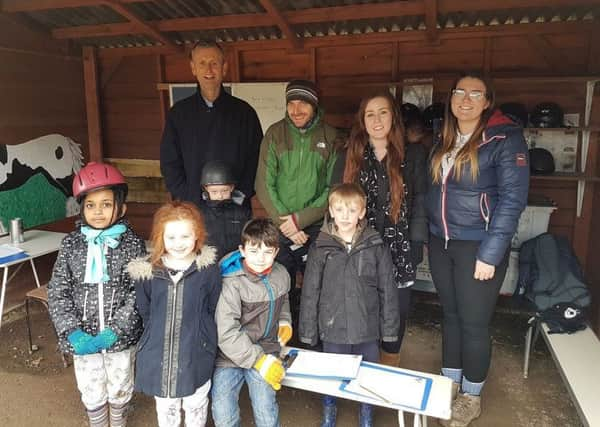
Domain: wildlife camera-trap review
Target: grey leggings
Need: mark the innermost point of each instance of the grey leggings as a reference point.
(468, 305)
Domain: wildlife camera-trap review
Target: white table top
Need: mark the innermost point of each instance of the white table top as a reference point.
(37, 243)
(438, 403)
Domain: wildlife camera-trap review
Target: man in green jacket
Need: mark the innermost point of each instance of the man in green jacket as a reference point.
(297, 155)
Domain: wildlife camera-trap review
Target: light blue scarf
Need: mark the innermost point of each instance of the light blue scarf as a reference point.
(95, 266)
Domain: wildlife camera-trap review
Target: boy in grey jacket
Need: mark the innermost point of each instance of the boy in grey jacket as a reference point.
(253, 322)
(349, 296)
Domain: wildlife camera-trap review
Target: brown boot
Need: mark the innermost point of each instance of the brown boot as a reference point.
(465, 409)
(389, 359)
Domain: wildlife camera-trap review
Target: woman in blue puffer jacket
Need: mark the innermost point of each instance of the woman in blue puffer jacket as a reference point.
(479, 185)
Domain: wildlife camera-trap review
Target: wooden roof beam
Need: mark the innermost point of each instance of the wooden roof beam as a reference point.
(141, 24)
(431, 14)
(282, 23)
(247, 20)
(392, 37)
(250, 20)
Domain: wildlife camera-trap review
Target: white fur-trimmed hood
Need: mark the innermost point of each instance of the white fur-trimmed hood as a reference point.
(141, 268)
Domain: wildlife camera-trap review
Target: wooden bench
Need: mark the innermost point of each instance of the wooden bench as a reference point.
(577, 357)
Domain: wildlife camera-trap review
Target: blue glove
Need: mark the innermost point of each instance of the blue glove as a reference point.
(105, 339)
(81, 342)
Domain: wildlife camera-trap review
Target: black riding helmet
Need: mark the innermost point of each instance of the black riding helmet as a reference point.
(547, 115)
(434, 112)
(216, 172)
(541, 161)
(409, 112)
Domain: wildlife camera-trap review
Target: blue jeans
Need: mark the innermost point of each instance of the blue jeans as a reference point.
(227, 383)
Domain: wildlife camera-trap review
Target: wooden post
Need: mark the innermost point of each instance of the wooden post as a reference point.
(162, 94)
(312, 67)
(583, 224)
(92, 103)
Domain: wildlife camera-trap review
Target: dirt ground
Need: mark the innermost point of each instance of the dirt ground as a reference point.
(35, 390)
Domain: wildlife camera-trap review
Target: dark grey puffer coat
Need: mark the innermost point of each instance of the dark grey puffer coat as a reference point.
(74, 304)
(349, 297)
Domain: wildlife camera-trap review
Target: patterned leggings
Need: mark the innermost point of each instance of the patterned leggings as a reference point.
(194, 406)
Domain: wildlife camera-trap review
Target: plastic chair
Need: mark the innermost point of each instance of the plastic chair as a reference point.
(40, 295)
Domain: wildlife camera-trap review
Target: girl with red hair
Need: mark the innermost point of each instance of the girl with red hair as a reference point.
(177, 289)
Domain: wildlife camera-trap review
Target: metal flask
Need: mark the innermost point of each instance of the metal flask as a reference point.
(16, 231)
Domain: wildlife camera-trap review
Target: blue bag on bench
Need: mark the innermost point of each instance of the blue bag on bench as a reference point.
(549, 273)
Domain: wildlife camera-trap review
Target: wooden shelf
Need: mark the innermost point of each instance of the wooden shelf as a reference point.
(566, 129)
(563, 176)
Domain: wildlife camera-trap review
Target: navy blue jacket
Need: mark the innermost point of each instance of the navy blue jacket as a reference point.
(488, 209)
(176, 354)
(224, 222)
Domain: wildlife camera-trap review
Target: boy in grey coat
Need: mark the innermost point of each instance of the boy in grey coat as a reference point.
(253, 322)
(349, 296)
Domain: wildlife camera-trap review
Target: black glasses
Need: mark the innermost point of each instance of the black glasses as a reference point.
(474, 95)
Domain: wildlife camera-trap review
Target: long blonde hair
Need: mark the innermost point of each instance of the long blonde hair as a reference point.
(468, 154)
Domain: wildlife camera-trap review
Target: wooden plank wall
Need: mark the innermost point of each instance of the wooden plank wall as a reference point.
(41, 92)
(346, 72)
(41, 86)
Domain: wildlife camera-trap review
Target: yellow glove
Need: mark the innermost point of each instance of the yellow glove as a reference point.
(270, 368)
(285, 333)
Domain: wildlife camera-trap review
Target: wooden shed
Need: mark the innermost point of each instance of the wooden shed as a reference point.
(97, 72)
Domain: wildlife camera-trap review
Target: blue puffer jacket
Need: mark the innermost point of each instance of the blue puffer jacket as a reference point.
(489, 208)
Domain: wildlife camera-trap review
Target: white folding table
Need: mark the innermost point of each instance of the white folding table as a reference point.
(438, 403)
(36, 244)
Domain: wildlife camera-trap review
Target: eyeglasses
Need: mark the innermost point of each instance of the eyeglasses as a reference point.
(474, 95)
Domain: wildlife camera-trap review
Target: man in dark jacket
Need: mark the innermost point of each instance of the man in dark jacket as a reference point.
(211, 125)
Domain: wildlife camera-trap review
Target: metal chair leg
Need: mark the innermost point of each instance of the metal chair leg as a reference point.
(31, 349)
(533, 332)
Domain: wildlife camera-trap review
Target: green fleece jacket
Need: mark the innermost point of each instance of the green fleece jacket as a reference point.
(294, 170)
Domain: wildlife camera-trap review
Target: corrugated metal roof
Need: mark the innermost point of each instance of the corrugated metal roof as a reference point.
(172, 9)
(76, 16)
(229, 35)
(158, 10)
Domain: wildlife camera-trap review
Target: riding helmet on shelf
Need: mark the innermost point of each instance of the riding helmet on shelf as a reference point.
(410, 113)
(541, 161)
(434, 113)
(515, 111)
(547, 115)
